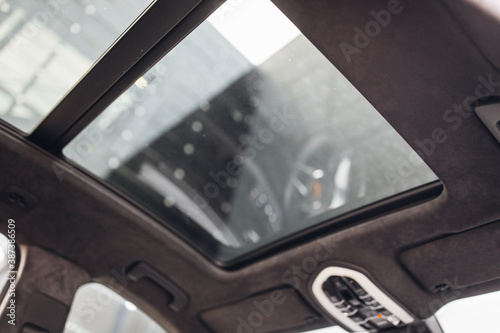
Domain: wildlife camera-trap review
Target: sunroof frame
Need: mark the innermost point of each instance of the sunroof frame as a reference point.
(113, 72)
(119, 68)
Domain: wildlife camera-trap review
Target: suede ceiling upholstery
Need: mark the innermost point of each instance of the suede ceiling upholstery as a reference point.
(471, 11)
(418, 67)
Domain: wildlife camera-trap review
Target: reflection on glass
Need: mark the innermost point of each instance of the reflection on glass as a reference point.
(472, 314)
(47, 45)
(248, 131)
(97, 309)
(4, 268)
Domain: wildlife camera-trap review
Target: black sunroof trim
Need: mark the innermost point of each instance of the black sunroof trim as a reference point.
(167, 43)
(400, 201)
(397, 202)
(118, 62)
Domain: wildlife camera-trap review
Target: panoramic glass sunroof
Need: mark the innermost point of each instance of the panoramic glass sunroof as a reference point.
(245, 134)
(46, 46)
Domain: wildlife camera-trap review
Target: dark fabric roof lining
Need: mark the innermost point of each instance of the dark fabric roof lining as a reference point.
(412, 72)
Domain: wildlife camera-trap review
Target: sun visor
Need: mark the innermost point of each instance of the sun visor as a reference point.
(267, 312)
(457, 261)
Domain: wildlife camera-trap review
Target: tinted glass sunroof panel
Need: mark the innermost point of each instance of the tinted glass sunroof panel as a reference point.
(245, 134)
(46, 46)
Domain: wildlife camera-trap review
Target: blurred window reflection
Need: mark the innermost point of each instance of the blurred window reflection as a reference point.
(47, 45)
(97, 309)
(4, 269)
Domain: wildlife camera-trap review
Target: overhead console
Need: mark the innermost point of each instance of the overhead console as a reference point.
(353, 300)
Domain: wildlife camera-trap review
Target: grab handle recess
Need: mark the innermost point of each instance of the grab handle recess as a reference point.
(142, 270)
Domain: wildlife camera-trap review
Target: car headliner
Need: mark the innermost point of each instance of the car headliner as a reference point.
(413, 72)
